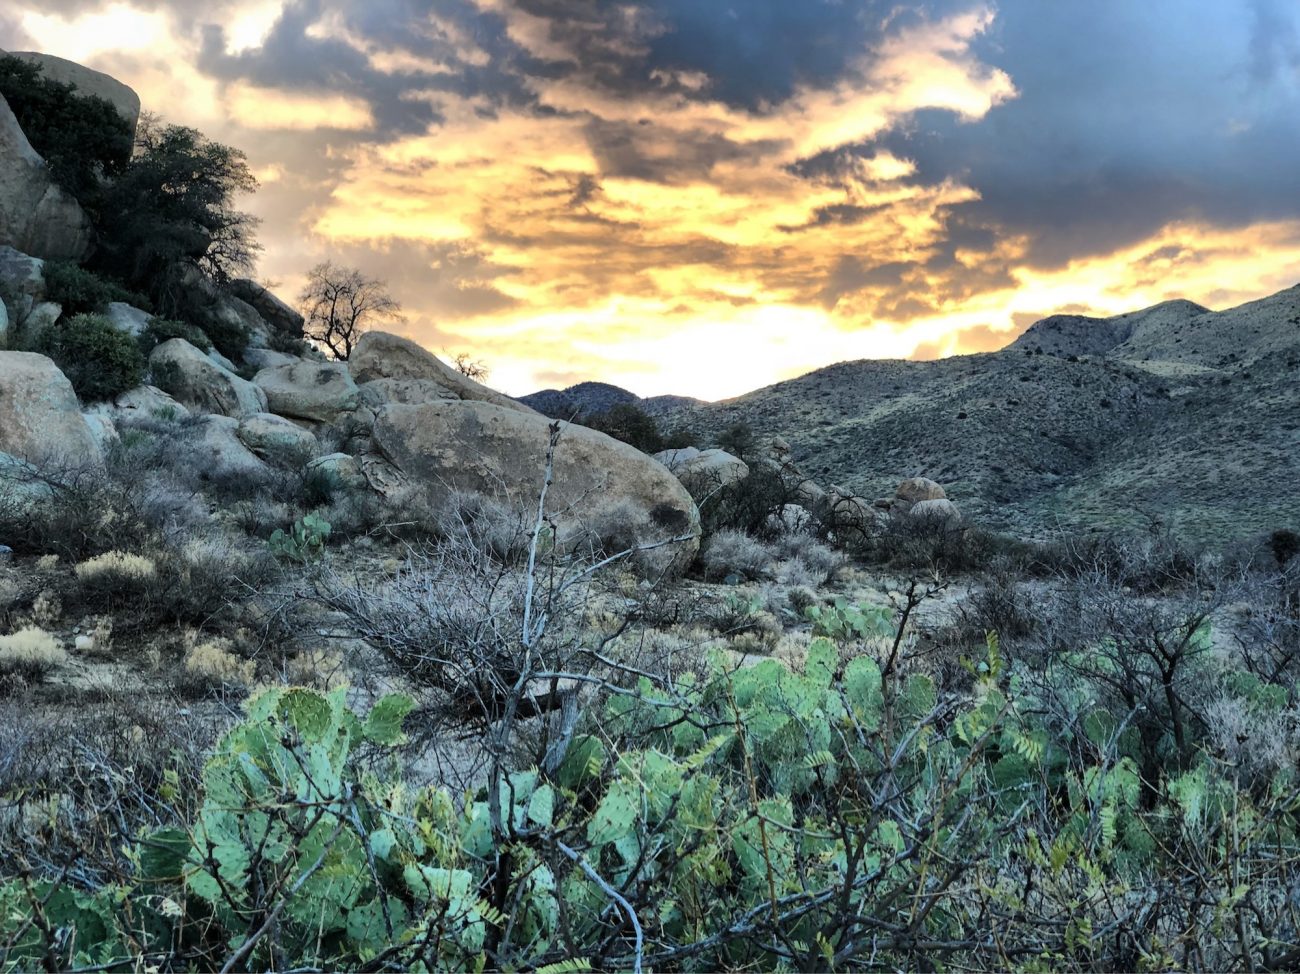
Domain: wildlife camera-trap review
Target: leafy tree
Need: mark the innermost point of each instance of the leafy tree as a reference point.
(81, 137)
(340, 304)
(172, 209)
(631, 424)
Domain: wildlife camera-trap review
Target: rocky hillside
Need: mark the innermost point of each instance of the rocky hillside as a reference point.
(1188, 415)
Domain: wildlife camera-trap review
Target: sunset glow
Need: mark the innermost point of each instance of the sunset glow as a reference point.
(705, 198)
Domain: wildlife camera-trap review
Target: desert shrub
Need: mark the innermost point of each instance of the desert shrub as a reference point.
(100, 361)
(212, 665)
(752, 505)
(1285, 545)
(78, 290)
(731, 552)
(160, 330)
(118, 571)
(82, 138)
(87, 512)
(629, 423)
(826, 813)
(321, 669)
(77, 783)
(30, 653)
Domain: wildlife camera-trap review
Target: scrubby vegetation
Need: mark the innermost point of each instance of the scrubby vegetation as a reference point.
(82, 139)
(99, 360)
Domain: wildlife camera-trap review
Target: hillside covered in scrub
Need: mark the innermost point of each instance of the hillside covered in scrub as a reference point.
(319, 653)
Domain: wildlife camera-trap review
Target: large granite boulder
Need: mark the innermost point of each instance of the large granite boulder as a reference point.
(273, 311)
(406, 392)
(129, 319)
(704, 472)
(88, 82)
(40, 418)
(379, 355)
(22, 274)
(278, 441)
(317, 391)
(602, 488)
(182, 371)
(36, 216)
(215, 440)
(149, 402)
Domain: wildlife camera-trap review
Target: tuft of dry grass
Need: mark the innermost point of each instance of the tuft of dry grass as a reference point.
(30, 653)
(213, 665)
(117, 569)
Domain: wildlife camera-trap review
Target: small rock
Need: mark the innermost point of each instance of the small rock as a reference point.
(85, 644)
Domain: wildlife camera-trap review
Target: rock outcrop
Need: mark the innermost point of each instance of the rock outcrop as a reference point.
(215, 440)
(22, 274)
(127, 318)
(182, 371)
(88, 82)
(40, 418)
(36, 216)
(316, 391)
(151, 402)
(277, 441)
(379, 355)
(272, 310)
(704, 472)
(602, 489)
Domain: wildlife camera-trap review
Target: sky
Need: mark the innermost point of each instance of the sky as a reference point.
(702, 197)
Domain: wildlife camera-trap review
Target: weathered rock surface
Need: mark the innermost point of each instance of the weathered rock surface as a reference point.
(216, 441)
(36, 216)
(88, 82)
(272, 310)
(602, 488)
(278, 441)
(379, 355)
(4, 326)
(151, 402)
(406, 392)
(704, 471)
(22, 274)
(917, 489)
(182, 371)
(40, 418)
(935, 509)
(102, 427)
(127, 318)
(318, 391)
(343, 470)
(265, 358)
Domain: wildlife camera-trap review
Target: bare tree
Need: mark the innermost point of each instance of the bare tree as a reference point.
(341, 303)
(470, 368)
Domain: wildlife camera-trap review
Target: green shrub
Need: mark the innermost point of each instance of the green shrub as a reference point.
(160, 330)
(837, 815)
(78, 290)
(81, 138)
(100, 361)
(630, 424)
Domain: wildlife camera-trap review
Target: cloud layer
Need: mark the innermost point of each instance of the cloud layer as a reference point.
(703, 196)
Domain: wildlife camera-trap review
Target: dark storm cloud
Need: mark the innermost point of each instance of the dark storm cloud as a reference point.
(1129, 116)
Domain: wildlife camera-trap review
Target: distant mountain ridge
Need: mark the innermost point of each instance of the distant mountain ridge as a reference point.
(1174, 412)
(587, 399)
